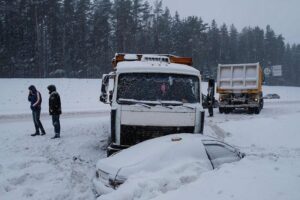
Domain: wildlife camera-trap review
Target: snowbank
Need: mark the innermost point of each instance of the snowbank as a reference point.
(76, 95)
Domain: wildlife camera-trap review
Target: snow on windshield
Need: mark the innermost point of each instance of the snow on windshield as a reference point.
(158, 86)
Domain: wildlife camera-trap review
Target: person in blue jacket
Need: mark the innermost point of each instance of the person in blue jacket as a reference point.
(35, 99)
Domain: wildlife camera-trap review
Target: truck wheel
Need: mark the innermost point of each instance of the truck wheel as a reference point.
(257, 110)
(250, 111)
(261, 104)
(221, 110)
(226, 110)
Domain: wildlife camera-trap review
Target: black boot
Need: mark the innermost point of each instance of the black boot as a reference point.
(55, 136)
(43, 133)
(35, 134)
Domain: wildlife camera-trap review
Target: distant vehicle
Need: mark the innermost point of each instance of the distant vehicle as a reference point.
(159, 153)
(272, 96)
(205, 103)
(151, 96)
(240, 87)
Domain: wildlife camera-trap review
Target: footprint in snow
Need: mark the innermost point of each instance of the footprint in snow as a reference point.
(19, 180)
(29, 192)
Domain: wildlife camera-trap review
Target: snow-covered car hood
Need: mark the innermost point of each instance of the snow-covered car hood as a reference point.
(156, 154)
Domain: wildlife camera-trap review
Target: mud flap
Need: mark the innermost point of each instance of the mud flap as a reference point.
(113, 124)
(202, 115)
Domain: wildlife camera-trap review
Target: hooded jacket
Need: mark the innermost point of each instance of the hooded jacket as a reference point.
(54, 101)
(35, 98)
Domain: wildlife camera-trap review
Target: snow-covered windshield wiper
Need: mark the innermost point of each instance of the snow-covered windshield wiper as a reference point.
(134, 101)
(174, 103)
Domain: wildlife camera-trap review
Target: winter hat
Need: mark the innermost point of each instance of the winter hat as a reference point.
(32, 88)
(51, 88)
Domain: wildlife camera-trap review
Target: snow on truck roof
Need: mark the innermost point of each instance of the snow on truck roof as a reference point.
(156, 63)
(154, 66)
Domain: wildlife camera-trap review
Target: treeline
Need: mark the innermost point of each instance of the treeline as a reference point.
(78, 38)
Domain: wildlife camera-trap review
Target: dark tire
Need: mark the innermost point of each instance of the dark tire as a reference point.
(227, 110)
(261, 104)
(221, 110)
(257, 110)
(250, 111)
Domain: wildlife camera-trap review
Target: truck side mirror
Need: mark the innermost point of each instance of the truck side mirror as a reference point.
(106, 95)
(104, 86)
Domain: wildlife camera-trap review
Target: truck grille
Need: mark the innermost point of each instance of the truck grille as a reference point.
(131, 135)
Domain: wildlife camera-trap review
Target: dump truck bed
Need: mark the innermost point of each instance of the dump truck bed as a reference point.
(239, 77)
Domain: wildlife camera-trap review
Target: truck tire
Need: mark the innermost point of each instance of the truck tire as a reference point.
(257, 110)
(227, 110)
(221, 110)
(261, 104)
(250, 111)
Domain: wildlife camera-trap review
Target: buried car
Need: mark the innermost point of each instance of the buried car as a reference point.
(159, 153)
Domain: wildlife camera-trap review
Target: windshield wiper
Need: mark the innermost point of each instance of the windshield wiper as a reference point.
(133, 101)
(175, 103)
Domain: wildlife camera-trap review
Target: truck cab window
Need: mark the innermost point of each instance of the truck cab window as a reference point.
(159, 87)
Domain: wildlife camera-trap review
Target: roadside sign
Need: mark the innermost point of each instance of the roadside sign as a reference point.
(267, 71)
(277, 70)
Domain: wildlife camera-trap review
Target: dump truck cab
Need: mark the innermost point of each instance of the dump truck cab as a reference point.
(151, 96)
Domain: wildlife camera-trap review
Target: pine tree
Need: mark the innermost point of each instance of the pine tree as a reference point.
(122, 21)
(213, 47)
(144, 38)
(101, 37)
(233, 44)
(81, 37)
(224, 55)
(54, 16)
(68, 36)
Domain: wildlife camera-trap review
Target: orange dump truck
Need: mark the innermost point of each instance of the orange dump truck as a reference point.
(240, 87)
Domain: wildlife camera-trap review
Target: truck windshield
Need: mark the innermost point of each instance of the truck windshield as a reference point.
(158, 87)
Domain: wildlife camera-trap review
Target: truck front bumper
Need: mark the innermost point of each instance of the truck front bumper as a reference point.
(250, 105)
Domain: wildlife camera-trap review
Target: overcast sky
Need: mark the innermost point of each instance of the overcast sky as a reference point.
(282, 15)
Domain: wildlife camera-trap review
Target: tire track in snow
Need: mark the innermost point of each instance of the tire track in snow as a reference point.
(28, 117)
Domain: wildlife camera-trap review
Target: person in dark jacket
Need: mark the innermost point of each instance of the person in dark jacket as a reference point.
(54, 109)
(35, 99)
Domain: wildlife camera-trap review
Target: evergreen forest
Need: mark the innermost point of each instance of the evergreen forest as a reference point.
(78, 39)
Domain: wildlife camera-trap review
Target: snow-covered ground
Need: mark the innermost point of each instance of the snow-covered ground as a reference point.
(41, 168)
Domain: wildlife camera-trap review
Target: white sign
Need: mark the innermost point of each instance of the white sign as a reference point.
(277, 70)
(267, 71)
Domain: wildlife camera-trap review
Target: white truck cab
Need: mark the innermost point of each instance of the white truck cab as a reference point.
(151, 96)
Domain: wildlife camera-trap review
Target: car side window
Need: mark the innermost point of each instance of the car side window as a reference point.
(220, 154)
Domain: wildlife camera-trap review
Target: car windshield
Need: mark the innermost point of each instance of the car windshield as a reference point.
(158, 87)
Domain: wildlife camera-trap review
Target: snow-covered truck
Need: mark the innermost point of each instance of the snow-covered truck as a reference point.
(151, 96)
(240, 86)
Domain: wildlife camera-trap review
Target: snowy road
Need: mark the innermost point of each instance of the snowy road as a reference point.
(41, 168)
(28, 116)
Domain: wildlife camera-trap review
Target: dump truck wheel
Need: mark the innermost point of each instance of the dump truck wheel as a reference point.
(250, 111)
(221, 110)
(227, 110)
(257, 110)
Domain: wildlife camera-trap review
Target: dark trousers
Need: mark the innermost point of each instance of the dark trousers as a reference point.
(211, 110)
(36, 120)
(56, 124)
